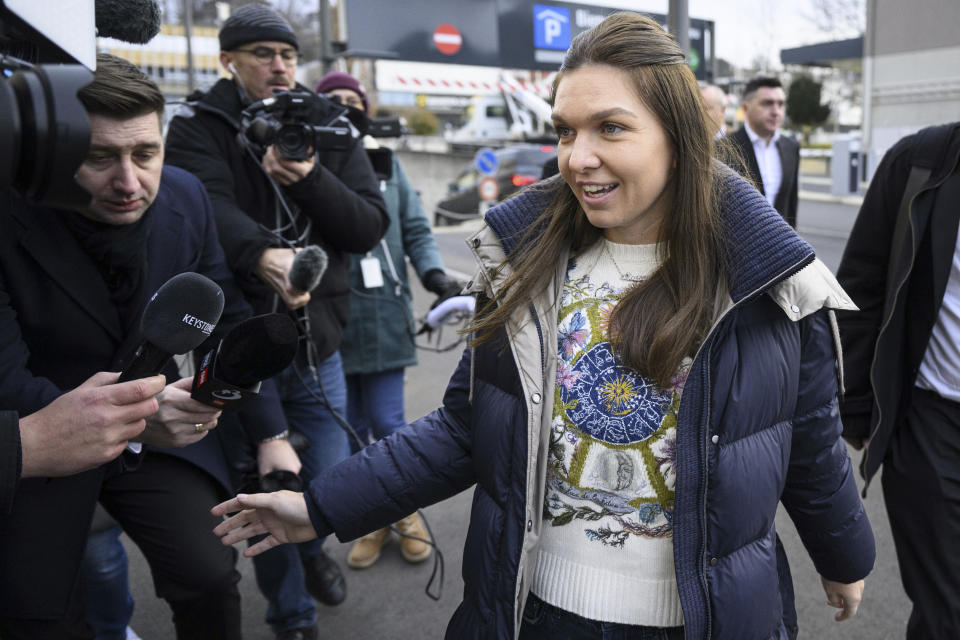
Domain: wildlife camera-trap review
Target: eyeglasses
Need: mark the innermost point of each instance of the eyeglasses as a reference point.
(266, 55)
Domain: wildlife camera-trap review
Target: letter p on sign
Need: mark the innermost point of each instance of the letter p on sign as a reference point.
(552, 30)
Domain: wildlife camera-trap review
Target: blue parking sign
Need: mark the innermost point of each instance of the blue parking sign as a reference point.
(551, 27)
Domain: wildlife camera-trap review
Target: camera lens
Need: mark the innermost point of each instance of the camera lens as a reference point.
(294, 141)
(49, 134)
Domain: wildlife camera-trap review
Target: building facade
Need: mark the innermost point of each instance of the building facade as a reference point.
(911, 70)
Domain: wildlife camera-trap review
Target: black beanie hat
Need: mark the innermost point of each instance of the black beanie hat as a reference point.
(255, 23)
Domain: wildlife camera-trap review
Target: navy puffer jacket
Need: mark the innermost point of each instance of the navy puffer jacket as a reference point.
(758, 424)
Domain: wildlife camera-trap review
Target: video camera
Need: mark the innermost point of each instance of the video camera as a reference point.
(45, 58)
(380, 157)
(297, 123)
(42, 123)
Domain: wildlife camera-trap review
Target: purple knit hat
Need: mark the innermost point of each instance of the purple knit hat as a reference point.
(341, 80)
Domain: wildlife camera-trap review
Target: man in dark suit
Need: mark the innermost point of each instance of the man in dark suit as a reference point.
(902, 357)
(73, 285)
(771, 161)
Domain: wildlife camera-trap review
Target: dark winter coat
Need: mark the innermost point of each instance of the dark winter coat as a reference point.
(341, 197)
(11, 458)
(758, 424)
(884, 343)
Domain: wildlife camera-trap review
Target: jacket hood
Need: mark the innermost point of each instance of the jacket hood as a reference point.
(222, 95)
(762, 249)
(221, 99)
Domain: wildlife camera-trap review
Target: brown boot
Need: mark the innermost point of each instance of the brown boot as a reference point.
(366, 550)
(413, 550)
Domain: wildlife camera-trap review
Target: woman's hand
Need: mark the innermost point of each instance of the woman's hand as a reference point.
(282, 514)
(843, 596)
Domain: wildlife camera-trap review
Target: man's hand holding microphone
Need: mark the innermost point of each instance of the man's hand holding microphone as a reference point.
(95, 422)
(88, 426)
(293, 273)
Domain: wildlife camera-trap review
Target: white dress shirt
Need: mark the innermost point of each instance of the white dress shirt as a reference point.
(768, 159)
(940, 368)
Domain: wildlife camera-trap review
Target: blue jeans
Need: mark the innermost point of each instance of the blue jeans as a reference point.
(543, 621)
(109, 605)
(375, 405)
(279, 571)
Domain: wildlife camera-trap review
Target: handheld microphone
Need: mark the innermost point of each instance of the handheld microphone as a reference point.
(308, 268)
(178, 318)
(134, 21)
(256, 349)
(450, 309)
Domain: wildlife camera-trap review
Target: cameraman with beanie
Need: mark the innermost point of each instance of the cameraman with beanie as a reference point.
(266, 206)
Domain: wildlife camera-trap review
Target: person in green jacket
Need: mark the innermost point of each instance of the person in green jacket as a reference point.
(379, 338)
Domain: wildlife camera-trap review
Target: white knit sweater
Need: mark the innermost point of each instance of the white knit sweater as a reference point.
(606, 551)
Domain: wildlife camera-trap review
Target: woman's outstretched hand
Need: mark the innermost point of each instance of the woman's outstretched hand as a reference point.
(843, 596)
(281, 514)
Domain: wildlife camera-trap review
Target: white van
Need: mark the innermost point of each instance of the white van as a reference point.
(486, 125)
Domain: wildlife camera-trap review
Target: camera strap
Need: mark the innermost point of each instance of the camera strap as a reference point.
(391, 267)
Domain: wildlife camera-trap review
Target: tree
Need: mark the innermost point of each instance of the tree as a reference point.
(301, 14)
(839, 18)
(423, 123)
(803, 105)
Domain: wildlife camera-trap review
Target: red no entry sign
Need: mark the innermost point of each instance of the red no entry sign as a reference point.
(447, 39)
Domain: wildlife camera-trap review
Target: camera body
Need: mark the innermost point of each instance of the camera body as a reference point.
(297, 123)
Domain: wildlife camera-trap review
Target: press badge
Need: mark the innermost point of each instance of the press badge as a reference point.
(372, 276)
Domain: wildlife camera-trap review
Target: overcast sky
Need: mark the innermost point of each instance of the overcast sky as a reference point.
(744, 28)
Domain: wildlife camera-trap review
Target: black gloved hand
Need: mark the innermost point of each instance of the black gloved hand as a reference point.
(280, 479)
(436, 281)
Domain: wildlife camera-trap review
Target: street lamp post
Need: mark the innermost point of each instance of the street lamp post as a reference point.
(326, 37)
(187, 31)
(678, 20)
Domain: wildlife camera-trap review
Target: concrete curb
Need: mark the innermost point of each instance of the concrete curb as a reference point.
(816, 196)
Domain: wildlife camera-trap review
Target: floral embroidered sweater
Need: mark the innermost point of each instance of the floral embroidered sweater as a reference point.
(607, 552)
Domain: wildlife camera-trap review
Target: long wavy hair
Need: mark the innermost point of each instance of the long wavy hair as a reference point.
(661, 320)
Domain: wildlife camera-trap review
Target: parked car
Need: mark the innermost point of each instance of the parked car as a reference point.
(517, 166)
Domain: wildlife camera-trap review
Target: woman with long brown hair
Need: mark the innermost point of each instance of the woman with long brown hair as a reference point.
(652, 370)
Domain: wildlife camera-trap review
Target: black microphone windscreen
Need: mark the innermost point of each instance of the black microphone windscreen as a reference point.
(134, 21)
(256, 349)
(308, 268)
(182, 313)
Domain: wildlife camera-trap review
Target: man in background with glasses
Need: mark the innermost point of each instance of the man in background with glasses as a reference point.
(265, 205)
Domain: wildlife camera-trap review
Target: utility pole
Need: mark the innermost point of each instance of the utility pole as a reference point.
(678, 21)
(326, 36)
(187, 31)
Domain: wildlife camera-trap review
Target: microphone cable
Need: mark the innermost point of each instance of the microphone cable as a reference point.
(291, 223)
